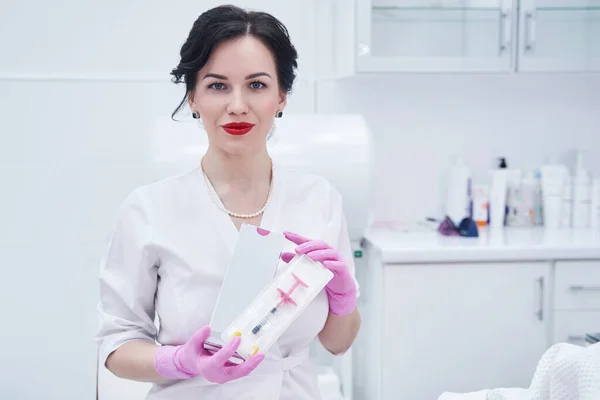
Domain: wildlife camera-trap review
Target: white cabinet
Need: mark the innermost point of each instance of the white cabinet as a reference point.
(576, 301)
(498, 306)
(477, 35)
(572, 326)
(446, 314)
(577, 286)
(474, 35)
(559, 35)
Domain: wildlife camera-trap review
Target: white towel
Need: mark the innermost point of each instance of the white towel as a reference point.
(565, 372)
(489, 394)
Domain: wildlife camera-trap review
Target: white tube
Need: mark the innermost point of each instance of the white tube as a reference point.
(498, 198)
(553, 177)
(567, 209)
(581, 200)
(514, 197)
(457, 199)
(595, 207)
(481, 203)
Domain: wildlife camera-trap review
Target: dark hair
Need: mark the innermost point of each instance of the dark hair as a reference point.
(228, 22)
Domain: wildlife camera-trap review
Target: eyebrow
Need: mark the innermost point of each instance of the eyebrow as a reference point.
(223, 77)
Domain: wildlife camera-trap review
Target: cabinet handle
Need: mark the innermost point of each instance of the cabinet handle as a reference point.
(540, 312)
(504, 31)
(582, 288)
(529, 31)
(575, 338)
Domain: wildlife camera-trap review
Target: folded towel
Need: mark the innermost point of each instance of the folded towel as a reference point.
(495, 394)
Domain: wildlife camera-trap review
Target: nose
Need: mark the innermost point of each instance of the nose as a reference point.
(238, 104)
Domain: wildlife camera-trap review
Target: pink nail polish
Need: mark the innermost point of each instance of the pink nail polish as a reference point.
(262, 232)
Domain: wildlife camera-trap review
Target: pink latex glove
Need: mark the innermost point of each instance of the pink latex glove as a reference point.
(192, 359)
(341, 289)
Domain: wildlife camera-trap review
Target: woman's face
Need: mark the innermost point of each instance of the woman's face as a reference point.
(237, 95)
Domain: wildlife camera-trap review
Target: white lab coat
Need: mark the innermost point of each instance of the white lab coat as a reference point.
(169, 253)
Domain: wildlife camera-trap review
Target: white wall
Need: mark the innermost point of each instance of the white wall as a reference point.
(420, 121)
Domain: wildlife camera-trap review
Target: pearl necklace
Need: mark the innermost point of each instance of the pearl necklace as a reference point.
(218, 203)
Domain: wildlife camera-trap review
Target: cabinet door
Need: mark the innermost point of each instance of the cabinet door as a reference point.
(559, 35)
(572, 326)
(419, 35)
(462, 328)
(577, 285)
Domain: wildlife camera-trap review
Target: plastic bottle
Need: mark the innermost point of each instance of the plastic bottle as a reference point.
(595, 207)
(553, 186)
(457, 202)
(530, 193)
(581, 196)
(481, 202)
(538, 209)
(498, 178)
(516, 215)
(567, 210)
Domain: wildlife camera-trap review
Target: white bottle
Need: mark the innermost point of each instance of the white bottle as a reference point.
(530, 194)
(581, 196)
(498, 178)
(567, 202)
(595, 206)
(514, 198)
(457, 192)
(553, 176)
(481, 203)
(538, 209)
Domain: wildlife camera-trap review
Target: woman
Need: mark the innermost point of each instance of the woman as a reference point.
(174, 238)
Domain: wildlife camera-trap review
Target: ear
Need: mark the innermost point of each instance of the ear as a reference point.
(190, 98)
(282, 101)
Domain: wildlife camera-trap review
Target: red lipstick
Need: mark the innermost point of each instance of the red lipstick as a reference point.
(238, 128)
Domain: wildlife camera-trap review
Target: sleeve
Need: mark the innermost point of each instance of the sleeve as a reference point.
(341, 238)
(128, 279)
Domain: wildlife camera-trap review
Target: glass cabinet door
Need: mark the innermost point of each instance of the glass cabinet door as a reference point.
(435, 35)
(559, 35)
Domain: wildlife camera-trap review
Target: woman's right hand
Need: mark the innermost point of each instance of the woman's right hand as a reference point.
(192, 359)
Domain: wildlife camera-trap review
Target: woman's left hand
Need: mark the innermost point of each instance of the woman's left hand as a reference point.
(341, 289)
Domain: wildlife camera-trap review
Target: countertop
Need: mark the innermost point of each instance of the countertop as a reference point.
(508, 244)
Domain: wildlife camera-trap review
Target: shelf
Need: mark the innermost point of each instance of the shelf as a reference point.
(567, 9)
(435, 14)
(421, 8)
(437, 32)
(561, 37)
(478, 35)
(583, 14)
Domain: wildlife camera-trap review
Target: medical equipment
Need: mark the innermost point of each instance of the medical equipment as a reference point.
(285, 298)
(275, 308)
